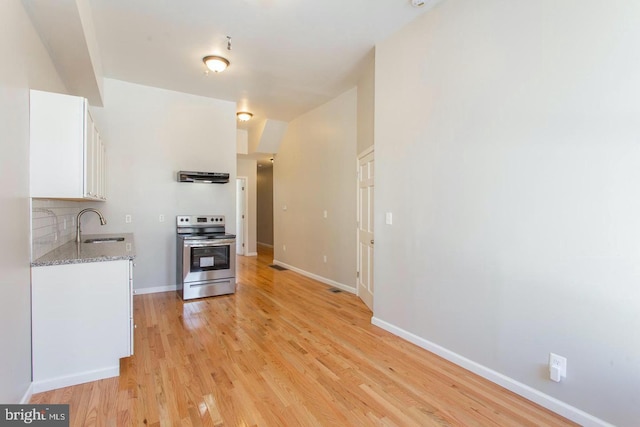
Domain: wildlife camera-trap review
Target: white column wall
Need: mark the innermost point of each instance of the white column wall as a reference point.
(507, 149)
(26, 65)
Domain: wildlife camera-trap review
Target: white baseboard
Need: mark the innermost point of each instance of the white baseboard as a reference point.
(81, 378)
(264, 244)
(27, 395)
(252, 254)
(551, 403)
(155, 290)
(316, 277)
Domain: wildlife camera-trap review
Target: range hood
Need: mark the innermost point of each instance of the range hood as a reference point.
(204, 177)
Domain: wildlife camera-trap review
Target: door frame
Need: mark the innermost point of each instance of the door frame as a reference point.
(243, 221)
(360, 156)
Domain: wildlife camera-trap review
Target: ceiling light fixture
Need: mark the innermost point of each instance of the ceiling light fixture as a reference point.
(244, 116)
(216, 64)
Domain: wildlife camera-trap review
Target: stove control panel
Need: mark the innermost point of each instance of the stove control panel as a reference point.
(202, 220)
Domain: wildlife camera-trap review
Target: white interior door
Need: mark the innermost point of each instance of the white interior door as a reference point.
(365, 229)
(241, 216)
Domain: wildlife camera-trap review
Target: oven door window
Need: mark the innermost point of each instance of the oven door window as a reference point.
(210, 258)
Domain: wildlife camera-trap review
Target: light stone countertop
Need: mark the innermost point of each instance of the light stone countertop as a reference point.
(73, 253)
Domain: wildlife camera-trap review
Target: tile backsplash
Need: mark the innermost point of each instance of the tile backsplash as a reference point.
(53, 223)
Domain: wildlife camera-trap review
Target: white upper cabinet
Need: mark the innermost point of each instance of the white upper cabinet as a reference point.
(67, 153)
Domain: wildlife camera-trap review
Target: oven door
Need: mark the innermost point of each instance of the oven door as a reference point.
(208, 259)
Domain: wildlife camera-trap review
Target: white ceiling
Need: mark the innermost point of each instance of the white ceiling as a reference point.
(287, 57)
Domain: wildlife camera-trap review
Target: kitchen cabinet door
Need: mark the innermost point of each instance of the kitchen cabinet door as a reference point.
(90, 145)
(101, 170)
(132, 324)
(81, 322)
(64, 151)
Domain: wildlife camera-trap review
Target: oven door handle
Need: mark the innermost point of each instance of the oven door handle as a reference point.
(208, 243)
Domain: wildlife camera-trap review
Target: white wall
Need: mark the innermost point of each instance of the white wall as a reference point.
(255, 130)
(242, 141)
(366, 104)
(507, 148)
(248, 168)
(313, 172)
(26, 65)
(150, 135)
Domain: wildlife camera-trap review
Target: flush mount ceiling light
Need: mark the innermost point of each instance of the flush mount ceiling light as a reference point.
(244, 116)
(216, 64)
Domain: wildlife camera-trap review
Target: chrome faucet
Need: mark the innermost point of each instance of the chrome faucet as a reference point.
(102, 221)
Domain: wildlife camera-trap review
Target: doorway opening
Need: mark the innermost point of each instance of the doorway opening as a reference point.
(364, 278)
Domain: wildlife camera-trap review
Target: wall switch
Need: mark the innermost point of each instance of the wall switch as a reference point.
(388, 218)
(161, 218)
(284, 207)
(324, 258)
(324, 214)
(127, 219)
(284, 248)
(557, 367)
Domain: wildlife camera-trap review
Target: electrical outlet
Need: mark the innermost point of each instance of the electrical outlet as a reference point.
(284, 248)
(127, 219)
(161, 218)
(324, 214)
(557, 367)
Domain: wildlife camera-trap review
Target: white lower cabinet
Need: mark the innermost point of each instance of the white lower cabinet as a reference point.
(82, 322)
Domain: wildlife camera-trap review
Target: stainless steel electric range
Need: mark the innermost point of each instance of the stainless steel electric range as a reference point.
(206, 257)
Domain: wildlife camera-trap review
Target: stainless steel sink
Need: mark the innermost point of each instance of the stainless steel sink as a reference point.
(105, 240)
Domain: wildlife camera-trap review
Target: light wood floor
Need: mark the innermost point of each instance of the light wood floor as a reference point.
(283, 351)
